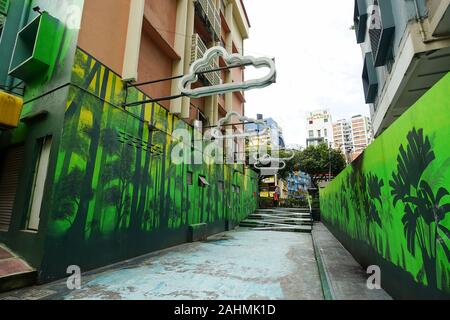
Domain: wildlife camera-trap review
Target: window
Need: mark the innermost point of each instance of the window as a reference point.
(311, 133)
(325, 120)
(40, 176)
(319, 133)
(189, 179)
(311, 122)
(325, 132)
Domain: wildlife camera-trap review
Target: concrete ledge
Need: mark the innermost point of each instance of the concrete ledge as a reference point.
(197, 232)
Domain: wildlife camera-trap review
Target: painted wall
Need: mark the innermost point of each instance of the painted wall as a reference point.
(47, 92)
(391, 207)
(116, 193)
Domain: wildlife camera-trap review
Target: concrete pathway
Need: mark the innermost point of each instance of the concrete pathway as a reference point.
(238, 265)
(347, 280)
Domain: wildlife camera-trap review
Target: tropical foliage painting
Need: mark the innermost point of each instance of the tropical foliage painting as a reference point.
(395, 198)
(115, 185)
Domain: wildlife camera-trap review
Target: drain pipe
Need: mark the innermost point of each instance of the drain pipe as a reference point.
(419, 20)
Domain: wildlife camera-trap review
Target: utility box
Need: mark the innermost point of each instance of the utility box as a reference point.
(10, 110)
(36, 47)
(197, 232)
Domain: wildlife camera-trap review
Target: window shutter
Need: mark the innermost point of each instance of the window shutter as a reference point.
(11, 166)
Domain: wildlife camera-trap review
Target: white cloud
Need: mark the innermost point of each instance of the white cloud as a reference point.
(319, 63)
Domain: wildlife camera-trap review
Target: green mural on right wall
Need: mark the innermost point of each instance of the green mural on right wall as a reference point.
(391, 207)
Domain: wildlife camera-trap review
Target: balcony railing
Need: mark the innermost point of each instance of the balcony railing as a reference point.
(211, 16)
(198, 50)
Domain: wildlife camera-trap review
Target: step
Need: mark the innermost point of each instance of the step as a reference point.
(278, 211)
(280, 216)
(276, 222)
(252, 224)
(286, 229)
(15, 272)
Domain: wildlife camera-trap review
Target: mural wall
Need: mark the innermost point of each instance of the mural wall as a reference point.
(391, 207)
(44, 100)
(116, 192)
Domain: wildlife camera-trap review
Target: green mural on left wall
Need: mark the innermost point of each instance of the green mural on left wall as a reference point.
(395, 199)
(115, 183)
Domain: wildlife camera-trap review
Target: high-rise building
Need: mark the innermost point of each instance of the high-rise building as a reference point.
(342, 135)
(352, 136)
(406, 50)
(319, 128)
(361, 135)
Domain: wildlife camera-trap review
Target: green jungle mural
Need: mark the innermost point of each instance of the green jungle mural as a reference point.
(391, 207)
(116, 193)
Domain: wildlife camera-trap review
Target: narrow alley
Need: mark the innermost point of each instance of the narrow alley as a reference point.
(242, 264)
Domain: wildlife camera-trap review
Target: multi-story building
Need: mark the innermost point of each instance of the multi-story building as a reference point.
(361, 135)
(406, 50)
(87, 179)
(269, 135)
(352, 136)
(319, 128)
(342, 135)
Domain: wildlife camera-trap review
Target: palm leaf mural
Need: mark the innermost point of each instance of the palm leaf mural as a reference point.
(411, 164)
(410, 226)
(424, 210)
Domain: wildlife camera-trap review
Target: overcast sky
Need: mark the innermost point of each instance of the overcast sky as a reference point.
(318, 61)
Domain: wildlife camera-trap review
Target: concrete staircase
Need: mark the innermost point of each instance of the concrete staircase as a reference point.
(14, 272)
(280, 219)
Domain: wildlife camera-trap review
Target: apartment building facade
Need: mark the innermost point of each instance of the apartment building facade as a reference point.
(319, 128)
(362, 136)
(269, 135)
(342, 135)
(406, 50)
(352, 136)
(86, 180)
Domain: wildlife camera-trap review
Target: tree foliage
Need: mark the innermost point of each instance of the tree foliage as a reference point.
(315, 161)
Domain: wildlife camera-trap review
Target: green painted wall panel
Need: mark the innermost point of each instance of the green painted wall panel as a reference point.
(116, 192)
(391, 207)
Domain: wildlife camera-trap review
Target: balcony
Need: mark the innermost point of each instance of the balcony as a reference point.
(381, 31)
(207, 10)
(198, 49)
(370, 79)
(360, 20)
